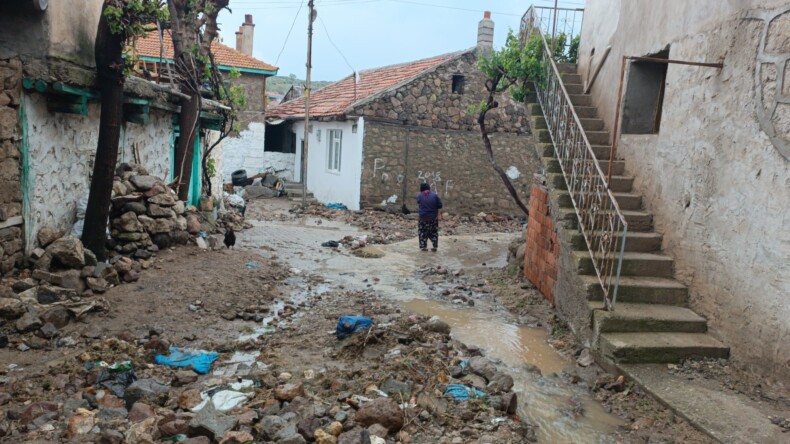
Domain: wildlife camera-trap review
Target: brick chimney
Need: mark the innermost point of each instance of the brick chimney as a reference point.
(244, 36)
(485, 34)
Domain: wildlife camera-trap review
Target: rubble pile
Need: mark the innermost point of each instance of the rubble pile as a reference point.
(146, 215)
(389, 227)
(403, 380)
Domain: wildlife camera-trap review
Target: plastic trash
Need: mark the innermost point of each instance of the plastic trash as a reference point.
(199, 360)
(252, 265)
(331, 244)
(235, 200)
(116, 378)
(462, 392)
(348, 325)
(336, 206)
(227, 397)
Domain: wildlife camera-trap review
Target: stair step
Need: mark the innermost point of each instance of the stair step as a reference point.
(643, 242)
(534, 109)
(627, 201)
(638, 220)
(552, 165)
(598, 137)
(601, 153)
(574, 88)
(641, 289)
(630, 317)
(580, 99)
(660, 347)
(592, 124)
(619, 184)
(538, 122)
(586, 112)
(634, 263)
(566, 68)
(568, 78)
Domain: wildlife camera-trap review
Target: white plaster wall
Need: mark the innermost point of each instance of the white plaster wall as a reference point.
(246, 152)
(61, 149)
(717, 186)
(330, 187)
(151, 141)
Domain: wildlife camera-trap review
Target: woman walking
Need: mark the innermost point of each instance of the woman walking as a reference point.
(428, 227)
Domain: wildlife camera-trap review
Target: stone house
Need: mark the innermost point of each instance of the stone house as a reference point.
(709, 152)
(245, 149)
(49, 120)
(376, 136)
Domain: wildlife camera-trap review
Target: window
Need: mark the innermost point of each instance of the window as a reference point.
(644, 96)
(334, 150)
(458, 84)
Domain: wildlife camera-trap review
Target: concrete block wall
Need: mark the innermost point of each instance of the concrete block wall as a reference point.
(543, 249)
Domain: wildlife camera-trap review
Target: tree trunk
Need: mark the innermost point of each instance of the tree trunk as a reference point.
(109, 66)
(190, 110)
(481, 120)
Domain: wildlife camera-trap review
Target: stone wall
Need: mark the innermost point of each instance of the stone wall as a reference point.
(11, 228)
(253, 90)
(397, 159)
(429, 101)
(542, 248)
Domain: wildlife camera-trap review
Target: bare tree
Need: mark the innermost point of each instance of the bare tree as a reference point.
(194, 27)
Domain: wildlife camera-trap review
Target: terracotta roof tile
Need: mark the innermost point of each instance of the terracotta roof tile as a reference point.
(334, 100)
(224, 55)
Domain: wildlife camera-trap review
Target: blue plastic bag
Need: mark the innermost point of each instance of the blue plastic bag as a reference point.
(348, 325)
(336, 206)
(199, 360)
(462, 392)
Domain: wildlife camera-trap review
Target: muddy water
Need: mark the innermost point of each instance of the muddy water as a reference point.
(563, 412)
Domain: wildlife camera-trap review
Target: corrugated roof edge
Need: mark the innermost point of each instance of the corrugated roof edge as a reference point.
(452, 56)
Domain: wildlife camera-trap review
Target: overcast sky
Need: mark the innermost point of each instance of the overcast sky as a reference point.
(369, 33)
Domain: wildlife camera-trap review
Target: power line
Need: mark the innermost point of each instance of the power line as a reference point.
(326, 31)
(289, 33)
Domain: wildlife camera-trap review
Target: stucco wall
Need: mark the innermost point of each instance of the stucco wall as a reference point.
(399, 158)
(247, 152)
(72, 29)
(717, 185)
(60, 151)
(327, 186)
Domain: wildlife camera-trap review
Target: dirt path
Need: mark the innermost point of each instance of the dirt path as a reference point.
(269, 309)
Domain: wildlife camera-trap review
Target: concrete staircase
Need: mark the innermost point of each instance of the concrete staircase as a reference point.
(294, 192)
(651, 322)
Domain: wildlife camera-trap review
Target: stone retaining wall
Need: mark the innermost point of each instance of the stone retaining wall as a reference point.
(11, 233)
(397, 159)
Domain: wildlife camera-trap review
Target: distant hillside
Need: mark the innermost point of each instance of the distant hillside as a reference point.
(282, 84)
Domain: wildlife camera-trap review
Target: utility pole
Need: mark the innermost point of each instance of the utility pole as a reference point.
(310, 17)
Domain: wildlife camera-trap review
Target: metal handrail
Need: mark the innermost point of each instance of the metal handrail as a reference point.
(599, 214)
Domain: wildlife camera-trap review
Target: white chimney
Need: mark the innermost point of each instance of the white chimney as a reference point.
(485, 33)
(244, 36)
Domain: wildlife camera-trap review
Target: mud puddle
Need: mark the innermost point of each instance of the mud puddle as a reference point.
(563, 412)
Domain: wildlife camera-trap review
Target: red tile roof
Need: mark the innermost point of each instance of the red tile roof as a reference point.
(149, 46)
(333, 100)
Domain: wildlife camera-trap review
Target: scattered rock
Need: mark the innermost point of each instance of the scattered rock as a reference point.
(48, 235)
(68, 252)
(150, 390)
(439, 326)
(288, 392)
(212, 424)
(382, 411)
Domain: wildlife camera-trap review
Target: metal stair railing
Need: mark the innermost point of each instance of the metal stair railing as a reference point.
(600, 219)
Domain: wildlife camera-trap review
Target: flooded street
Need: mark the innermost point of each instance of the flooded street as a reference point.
(563, 412)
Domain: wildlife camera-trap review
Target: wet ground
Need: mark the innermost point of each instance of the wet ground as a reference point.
(562, 410)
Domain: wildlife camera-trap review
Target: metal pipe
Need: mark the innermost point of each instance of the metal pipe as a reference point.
(307, 103)
(616, 123)
(553, 30)
(676, 62)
